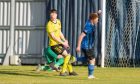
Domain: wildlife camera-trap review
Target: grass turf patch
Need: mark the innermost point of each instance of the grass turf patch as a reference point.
(27, 75)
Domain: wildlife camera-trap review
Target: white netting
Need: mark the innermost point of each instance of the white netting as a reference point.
(122, 33)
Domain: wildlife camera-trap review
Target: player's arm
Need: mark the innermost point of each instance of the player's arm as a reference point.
(62, 37)
(82, 35)
(58, 39)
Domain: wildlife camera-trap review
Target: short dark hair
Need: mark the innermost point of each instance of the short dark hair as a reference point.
(93, 16)
(53, 11)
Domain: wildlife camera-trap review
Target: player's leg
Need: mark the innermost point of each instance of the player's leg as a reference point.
(91, 68)
(67, 64)
(47, 58)
(46, 68)
(52, 59)
(59, 49)
(53, 65)
(91, 62)
(59, 61)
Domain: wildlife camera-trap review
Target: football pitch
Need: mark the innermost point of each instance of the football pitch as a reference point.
(27, 75)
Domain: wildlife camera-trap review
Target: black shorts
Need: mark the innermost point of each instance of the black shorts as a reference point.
(59, 49)
(89, 53)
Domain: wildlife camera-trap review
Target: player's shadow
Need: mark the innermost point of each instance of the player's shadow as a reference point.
(36, 74)
(21, 74)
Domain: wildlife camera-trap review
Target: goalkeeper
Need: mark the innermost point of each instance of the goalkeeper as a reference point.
(53, 60)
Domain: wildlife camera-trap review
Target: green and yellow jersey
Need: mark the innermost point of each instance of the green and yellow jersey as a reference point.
(56, 28)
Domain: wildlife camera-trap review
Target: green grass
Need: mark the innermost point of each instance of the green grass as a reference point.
(27, 75)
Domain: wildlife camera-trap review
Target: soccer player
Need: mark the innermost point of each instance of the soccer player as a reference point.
(52, 60)
(58, 42)
(86, 42)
